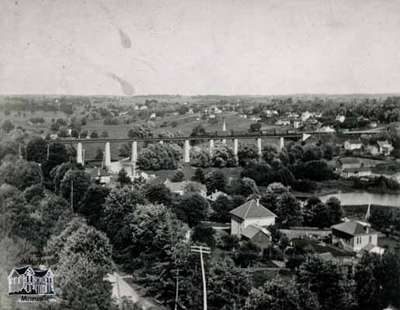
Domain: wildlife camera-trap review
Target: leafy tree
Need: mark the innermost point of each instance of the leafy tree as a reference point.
(269, 153)
(192, 209)
(223, 157)
(247, 154)
(7, 126)
(316, 170)
(198, 131)
(336, 211)
(36, 150)
(204, 234)
(91, 205)
(157, 193)
(15, 213)
(228, 285)
(94, 135)
(104, 134)
(55, 213)
(83, 285)
(124, 150)
(179, 176)
(255, 127)
(221, 207)
(215, 181)
(8, 148)
(200, 157)
(74, 133)
(244, 186)
(377, 281)
(159, 156)
(34, 192)
(321, 215)
(325, 280)
(380, 218)
(199, 176)
(368, 290)
(21, 173)
(160, 249)
(139, 131)
(288, 211)
(84, 260)
(123, 177)
(99, 154)
(229, 242)
(57, 154)
(277, 294)
(119, 205)
(247, 254)
(75, 183)
(312, 152)
(57, 174)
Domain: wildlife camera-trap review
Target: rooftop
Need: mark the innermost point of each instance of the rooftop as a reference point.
(252, 209)
(251, 230)
(352, 228)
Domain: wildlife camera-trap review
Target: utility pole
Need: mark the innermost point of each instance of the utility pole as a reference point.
(72, 195)
(177, 289)
(202, 250)
(48, 151)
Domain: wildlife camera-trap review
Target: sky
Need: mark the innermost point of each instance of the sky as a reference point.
(197, 47)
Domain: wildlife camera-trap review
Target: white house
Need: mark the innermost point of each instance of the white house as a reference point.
(183, 187)
(306, 115)
(296, 124)
(282, 122)
(385, 147)
(340, 118)
(250, 213)
(354, 235)
(28, 280)
(352, 145)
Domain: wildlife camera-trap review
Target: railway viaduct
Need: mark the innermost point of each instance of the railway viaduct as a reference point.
(211, 138)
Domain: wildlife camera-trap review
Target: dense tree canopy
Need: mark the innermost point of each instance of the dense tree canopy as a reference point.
(159, 156)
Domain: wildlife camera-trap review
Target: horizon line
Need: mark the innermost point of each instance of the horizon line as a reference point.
(204, 95)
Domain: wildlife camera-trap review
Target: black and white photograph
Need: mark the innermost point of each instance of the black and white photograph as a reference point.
(199, 154)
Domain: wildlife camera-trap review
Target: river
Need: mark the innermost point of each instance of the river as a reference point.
(363, 198)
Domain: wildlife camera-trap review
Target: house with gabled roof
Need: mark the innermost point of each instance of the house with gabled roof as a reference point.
(250, 213)
(354, 235)
(29, 280)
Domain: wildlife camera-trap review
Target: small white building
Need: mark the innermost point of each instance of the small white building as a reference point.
(352, 145)
(306, 115)
(385, 148)
(282, 122)
(354, 235)
(340, 118)
(250, 213)
(214, 196)
(183, 187)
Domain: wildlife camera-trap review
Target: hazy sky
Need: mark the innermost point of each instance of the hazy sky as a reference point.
(199, 46)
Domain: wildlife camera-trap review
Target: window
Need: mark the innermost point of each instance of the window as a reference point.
(370, 239)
